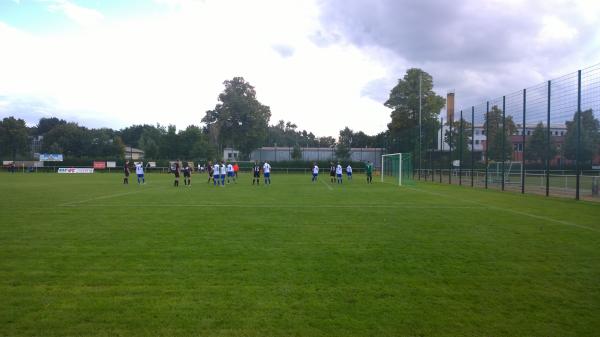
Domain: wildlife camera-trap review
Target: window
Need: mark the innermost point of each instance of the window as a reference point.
(476, 141)
(482, 132)
(528, 132)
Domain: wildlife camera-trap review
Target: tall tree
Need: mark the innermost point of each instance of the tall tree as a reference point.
(404, 102)
(14, 138)
(496, 138)
(590, 137)
(537, 144)
(296, 152)
(239, 118)
(342, 150)
(70, 138)
(47, 124)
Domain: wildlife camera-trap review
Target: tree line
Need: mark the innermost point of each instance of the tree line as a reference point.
(240, 121)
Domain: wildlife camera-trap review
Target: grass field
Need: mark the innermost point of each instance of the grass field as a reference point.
(85, 255)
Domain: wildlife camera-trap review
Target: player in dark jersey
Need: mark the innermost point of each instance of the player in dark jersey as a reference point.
(187, 175)
(332, 171)
(256, 173)
(126, 173)
(210, 171)
(176, 173)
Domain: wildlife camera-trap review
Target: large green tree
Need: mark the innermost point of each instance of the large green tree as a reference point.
(47, 124)
(239, 120)
(69, 139)
(590, 137)
(495, 138)
(14, 137)
(404, 102)
(537, 144)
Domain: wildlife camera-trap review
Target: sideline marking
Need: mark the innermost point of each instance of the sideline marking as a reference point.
(74, 203)
(535, 216)
(324, 183)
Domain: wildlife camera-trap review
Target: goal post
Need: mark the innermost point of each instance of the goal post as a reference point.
(396, 168)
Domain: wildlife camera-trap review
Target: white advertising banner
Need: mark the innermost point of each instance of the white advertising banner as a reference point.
(51, 157)
(75, 170)
(111, 164)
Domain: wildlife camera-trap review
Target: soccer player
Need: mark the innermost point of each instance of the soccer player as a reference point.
(267, 173)
(369, 170)
(331, 172)
(315, 173)
(176, 173)
(222, 171)
(256, 173)
(187, 175)
(210, 171)
(215, 170)
(230, 173)
(126, 173)
(338, 173)
(139, 171)
(349, 172)
(236, 168)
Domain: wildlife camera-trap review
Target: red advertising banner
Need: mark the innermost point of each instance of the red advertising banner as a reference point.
(99, 165)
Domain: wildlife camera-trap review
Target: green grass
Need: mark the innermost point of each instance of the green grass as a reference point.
(85, 255)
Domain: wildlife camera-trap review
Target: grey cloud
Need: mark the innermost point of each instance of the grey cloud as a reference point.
(460, 41)
(283, 50)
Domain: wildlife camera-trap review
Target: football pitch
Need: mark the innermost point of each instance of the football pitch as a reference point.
(84, 255)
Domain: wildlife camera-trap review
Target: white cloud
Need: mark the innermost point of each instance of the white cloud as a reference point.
(170, 68)
(83, 16)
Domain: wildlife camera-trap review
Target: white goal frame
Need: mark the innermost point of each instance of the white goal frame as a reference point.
(399, 154)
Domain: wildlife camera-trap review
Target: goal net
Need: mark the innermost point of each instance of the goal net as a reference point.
(396, 168)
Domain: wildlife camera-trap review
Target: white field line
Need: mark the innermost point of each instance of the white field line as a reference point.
(508, 210)
(324, 183)
(78, 202)
(358, 206)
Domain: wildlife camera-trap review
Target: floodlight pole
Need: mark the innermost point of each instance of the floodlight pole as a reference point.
(420, 127)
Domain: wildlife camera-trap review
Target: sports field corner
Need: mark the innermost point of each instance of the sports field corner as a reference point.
(86, 255)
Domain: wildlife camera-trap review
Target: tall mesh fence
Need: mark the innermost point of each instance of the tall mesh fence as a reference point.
(544, 139)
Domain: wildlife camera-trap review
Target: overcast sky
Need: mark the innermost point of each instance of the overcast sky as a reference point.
(323, 64)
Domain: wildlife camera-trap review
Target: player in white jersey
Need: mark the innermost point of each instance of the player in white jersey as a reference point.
(216, 180)
(315, 173)
(338, 173)
(222, 172)
(349, 172)
(230, 173)
(267, 173)
(139, 171)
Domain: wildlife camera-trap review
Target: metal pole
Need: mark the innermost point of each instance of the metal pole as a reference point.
(441, 146)
(523, 141)
(578, 156)
(460, 150)
(503, 137)
(487, 138)
(450, 153)
(472, 143)
(548, 141)
(420, 127)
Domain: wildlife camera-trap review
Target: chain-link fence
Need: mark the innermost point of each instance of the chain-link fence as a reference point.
(544, 139)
